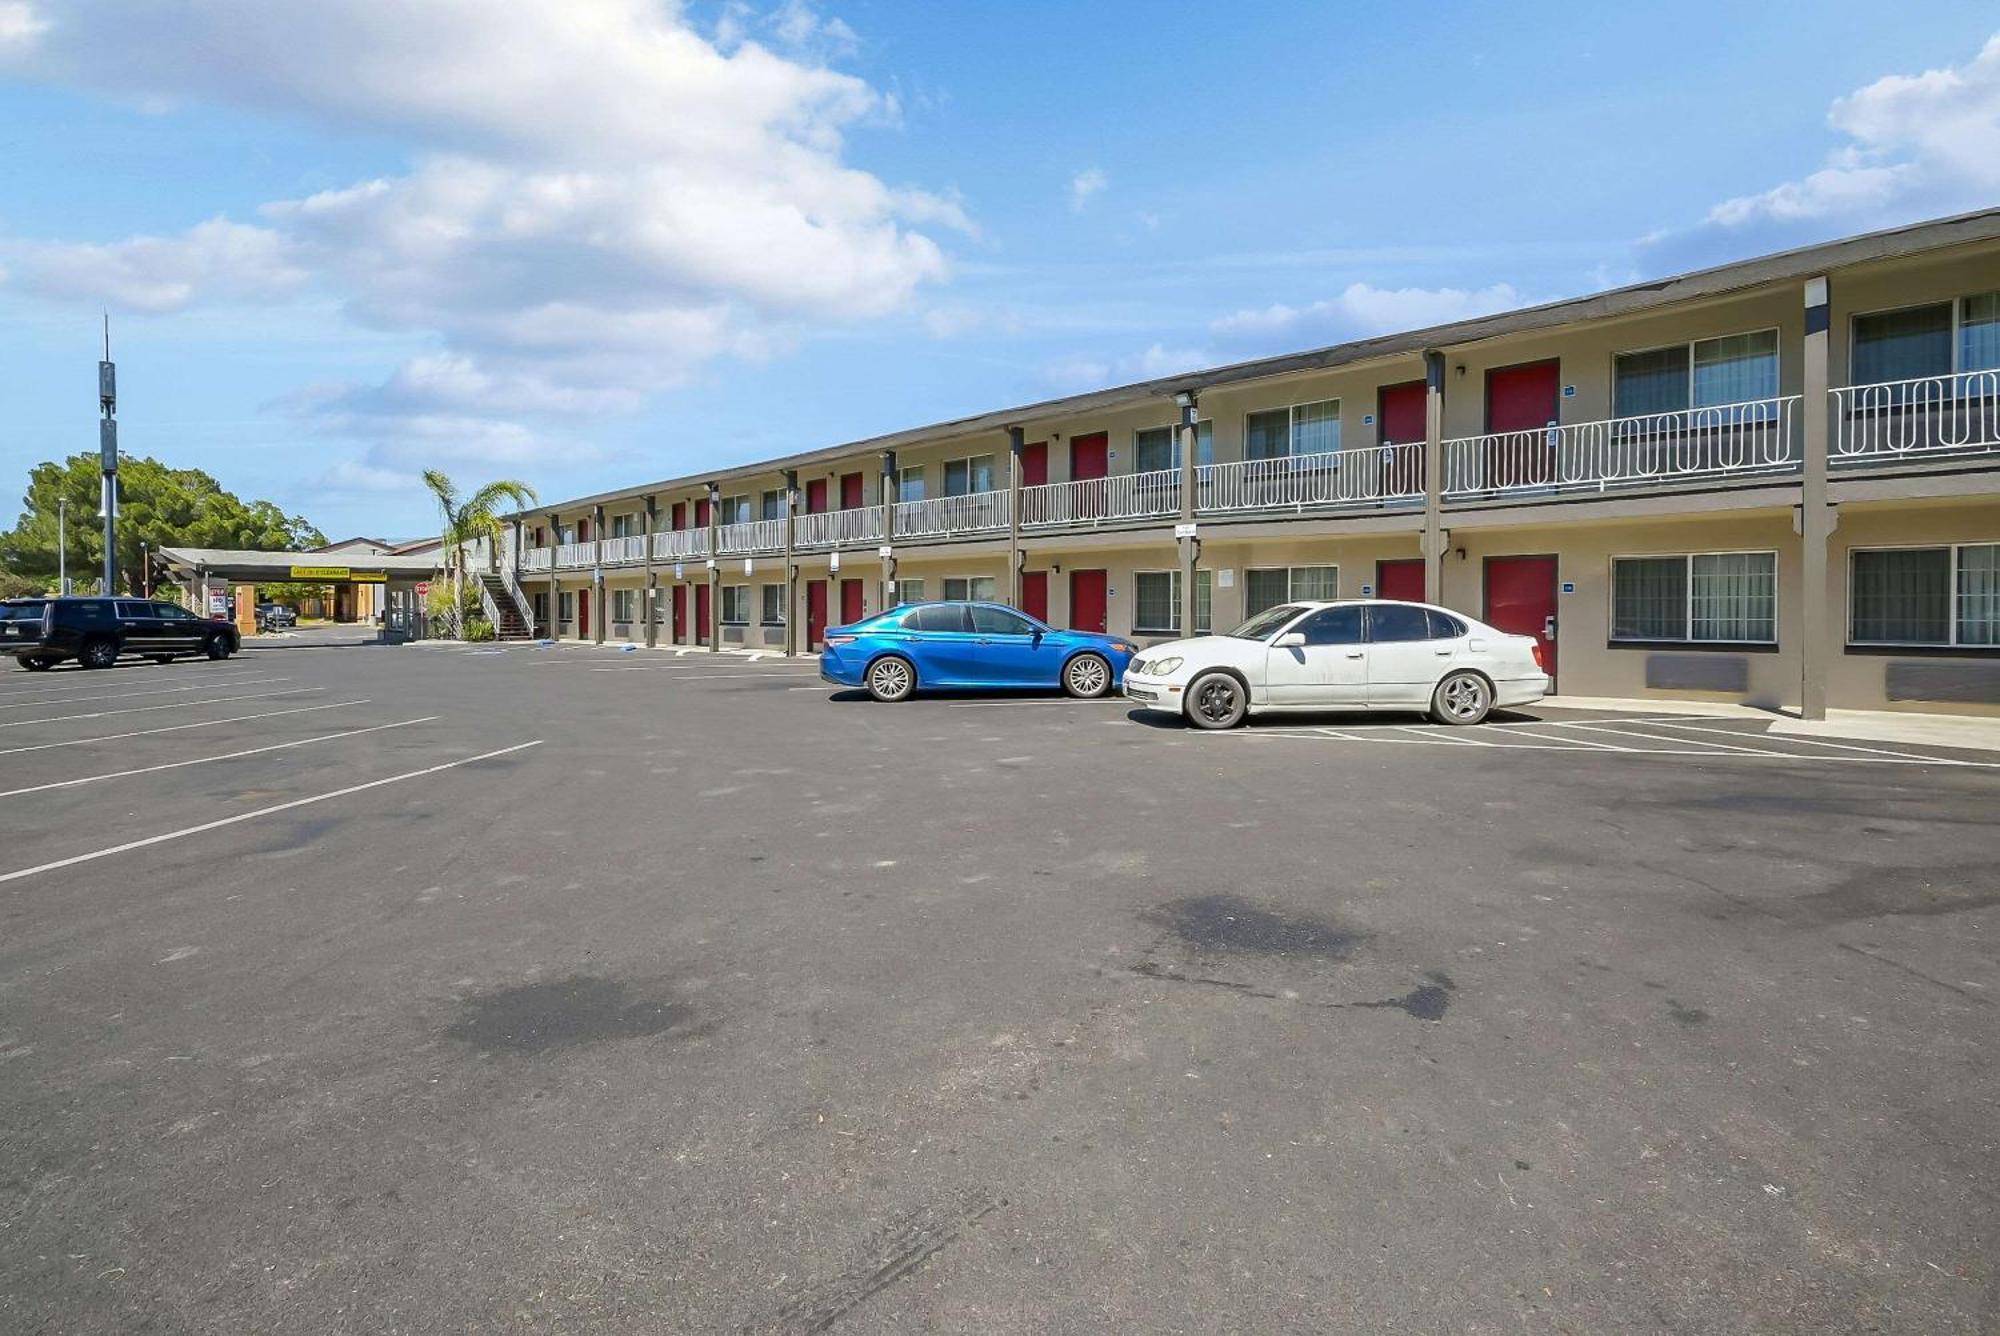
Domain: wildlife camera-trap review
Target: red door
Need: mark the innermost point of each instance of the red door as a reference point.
(1400, 411)
(701, 512)
(1035, 464)
(816, 496)
(1521, 599)
(1035, 594)
(850, 491)
(1522, 400)
(680, 515)
(680, 614)
(850, 601)
(702, 625)
(1086, 600)
(1400, 579)
(1089, 456)
(583, 612)
(583, 531)
(815, 608)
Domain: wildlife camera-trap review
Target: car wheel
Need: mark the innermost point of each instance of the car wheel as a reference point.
(1461, 698)
(1087, 676)
(892, 678)
(1216, 700)
(99, 653)
(217, 647)
(38, 665)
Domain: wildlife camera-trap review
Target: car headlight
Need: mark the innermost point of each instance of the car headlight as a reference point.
(1120, 647)
(1166, 665)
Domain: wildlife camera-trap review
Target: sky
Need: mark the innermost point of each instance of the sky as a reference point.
(600, 242)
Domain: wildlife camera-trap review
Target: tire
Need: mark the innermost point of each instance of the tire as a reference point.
(1462, 698)
(217, 647)
(1216, 700)
(38, 665)
(98, 652)
(892, 678)
(1087, 676)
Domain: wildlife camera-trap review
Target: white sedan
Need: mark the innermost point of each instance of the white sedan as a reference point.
(1374, 654)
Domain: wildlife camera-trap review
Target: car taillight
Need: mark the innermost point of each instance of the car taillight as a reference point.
(841, 640)
(1535, 648)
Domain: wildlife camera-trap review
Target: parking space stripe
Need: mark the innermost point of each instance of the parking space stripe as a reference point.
(97, 681)
(1655, 737)
(272, 810)
(1063, 703)
(1808, 742)
(170, 705)
(131, 695)
(697, 677)
(176, 728)
(203, 760)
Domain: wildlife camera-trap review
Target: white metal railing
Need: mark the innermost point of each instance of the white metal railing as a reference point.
(750, 536)
(941, 516)
(1902, 419)
(625, 551)
(575, 554)
(679, 544)
(1123, 496)
(838, 528)
(1366, 476)
(537, 558)
(1728, 440)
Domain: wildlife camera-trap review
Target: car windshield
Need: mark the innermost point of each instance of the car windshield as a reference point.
(1266, 622)
(21, 612)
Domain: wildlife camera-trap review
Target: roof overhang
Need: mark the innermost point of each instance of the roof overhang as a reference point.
(287, 567)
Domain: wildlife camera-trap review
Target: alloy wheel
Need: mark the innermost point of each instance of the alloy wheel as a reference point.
(1215, 700)
(1088, 675)
(890, 679)
(1464, 698)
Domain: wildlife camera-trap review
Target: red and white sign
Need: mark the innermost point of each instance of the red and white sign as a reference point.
(423, 587)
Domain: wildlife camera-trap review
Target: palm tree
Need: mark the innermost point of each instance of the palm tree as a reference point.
(476, 517)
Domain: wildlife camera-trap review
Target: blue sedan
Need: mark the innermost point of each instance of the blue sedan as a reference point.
(895, 653)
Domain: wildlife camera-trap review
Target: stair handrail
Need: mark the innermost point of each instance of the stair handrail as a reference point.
(522, 606)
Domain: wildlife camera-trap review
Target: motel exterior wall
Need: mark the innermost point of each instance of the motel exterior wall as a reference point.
(1878, 503)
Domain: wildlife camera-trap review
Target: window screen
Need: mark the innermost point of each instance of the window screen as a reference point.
(1979, 335)
(1265, 589)
(1733, 596)
(1902, 345)
(1315, 582)
(1902, 597)
(1649, 598)
(1154, 450)
(1316, 428)
(1979, 595)
(1650, 382)
(1738, 369)
(774, 605)
(1154, 594)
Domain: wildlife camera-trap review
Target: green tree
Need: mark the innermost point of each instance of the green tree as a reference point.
(158, 507)
(467, 521)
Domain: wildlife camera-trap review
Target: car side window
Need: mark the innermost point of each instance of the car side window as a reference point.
(1393, 623)
(1445, 626)
(129, 611)
(172, 612)
(92, 612)
(1000, 622)
(939, 617)
(1333, 626)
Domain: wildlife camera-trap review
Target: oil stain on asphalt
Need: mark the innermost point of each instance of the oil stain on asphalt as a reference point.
(565, 1013)
(1229, 923)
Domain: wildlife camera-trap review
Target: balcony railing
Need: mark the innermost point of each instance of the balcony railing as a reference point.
(838, 528)
(571, 555)
(1929, 417)
(750, 536)
(1370, 476)
(1725, 441)
(949, 516)
(1089, 501)
(680, 544)
(537, 558)
(625, 551)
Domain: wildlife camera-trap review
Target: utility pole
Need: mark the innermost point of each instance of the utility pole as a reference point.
(62, 545)
(107, 445)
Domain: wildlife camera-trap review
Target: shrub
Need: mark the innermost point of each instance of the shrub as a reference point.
(478, 628)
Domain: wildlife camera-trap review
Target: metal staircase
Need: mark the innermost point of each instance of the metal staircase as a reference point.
(505, 607)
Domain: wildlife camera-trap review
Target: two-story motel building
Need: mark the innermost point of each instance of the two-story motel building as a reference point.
(1776, 482)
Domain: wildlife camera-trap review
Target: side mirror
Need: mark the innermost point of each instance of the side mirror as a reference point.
(1290, 640)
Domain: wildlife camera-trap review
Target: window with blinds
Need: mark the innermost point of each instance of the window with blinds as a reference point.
(1705, 373)
(1302, 429)
(1157, 602)
(1941, 596)
(1703, 597)
(962, 477)
(1268, 588)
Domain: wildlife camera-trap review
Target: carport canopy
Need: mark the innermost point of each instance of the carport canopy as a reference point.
(242, 567)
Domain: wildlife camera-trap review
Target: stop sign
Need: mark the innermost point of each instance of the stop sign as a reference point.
(423, 587)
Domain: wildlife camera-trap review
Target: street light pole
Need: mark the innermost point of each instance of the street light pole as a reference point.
(107, 444)
(62, 545)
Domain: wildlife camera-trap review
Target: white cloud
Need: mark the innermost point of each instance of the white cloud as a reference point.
(1084, 185)
(1155, 361)
(1363, 309)
(599, 201)
(1917, 144)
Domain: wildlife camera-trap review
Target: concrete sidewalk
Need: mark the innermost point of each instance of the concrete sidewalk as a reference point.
(1935, 730)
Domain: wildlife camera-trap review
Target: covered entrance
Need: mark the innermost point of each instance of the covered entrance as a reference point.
(377, 593)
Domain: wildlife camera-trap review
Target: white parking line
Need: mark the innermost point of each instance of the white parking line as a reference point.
(203, 760)
(97, 681)
(1057, 702)
(176, 728)
(275, 808)
(129, 695)
(1655, 737)
(1810, 742)
(697, 675)
(170, 705)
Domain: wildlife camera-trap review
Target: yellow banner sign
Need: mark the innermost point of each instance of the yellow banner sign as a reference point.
(337, 573)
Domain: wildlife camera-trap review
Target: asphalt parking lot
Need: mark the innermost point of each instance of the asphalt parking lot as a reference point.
(354, 988)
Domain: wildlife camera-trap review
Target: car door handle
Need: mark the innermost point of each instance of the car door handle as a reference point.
(1443, 651)
(1357, 654)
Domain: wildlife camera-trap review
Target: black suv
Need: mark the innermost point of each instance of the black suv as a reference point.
(42, 632)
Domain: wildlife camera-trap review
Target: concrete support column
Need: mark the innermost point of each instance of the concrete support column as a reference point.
(650, 600)
(1016, 558)
(1434, 537)
(597, 574)
(1185, 534)
(1817, 518)
(714, 628)
(791, 571)
(554, 631)
(891, 487)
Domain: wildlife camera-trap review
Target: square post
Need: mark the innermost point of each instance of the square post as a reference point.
(1817, 517)
(890, 488)
(1186, 537)
(714, 628)
(650, 601)
(791, 571)
(1016, 558)
(597, 572)
(555, 590)
(1433, 535)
